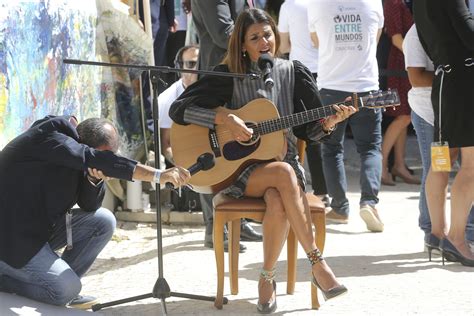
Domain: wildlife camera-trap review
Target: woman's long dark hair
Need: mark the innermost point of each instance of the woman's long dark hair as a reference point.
(234, 59)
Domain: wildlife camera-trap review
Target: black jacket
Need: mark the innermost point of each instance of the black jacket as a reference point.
(42, 176)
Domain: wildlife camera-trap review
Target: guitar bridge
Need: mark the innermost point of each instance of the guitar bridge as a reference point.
(214, 142)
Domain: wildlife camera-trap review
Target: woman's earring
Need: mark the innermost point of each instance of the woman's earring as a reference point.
(244, 54)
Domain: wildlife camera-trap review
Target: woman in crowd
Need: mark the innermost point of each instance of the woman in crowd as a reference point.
(280, 183)
(446, 31)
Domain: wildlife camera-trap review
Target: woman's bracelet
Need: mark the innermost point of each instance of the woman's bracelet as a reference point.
(327, 130)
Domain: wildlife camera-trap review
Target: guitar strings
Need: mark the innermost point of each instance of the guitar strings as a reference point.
(274, 121)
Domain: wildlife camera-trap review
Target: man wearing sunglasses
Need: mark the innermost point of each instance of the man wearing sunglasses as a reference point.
(186, 58)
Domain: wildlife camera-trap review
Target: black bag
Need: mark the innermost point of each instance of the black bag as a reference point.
(188, 202)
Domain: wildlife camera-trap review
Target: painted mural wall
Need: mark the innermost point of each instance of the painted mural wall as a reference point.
(35, 36)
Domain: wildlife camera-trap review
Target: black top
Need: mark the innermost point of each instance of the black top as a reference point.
(446, 30)
(43, 175)
(213, 91)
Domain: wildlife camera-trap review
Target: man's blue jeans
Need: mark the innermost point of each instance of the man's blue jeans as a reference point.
(56, 280)
(424, 134)
(367, 131)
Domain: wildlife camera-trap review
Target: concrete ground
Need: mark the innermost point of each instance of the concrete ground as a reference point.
(386, 273)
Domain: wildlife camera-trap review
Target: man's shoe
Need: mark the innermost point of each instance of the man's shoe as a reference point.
(333, 217)
(83, 302)
(371, 218)
(247, 233)
(210, 244)
(326, 201)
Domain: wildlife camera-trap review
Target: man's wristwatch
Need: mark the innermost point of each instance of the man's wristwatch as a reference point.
(156, 176)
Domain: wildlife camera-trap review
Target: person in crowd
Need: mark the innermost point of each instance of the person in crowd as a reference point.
(421, 73)
(163, 22)
(280, 183)
(398, 21)
(186, 58)
(214, 22)
(176, 39)
(347, 64)
(446, 31)
(46, 171)
(295, 40)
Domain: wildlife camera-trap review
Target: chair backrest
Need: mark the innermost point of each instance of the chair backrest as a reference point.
(301, 145)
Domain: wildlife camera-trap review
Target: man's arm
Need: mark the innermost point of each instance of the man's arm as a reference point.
(379, 33)
(315, 39)
(285, 44)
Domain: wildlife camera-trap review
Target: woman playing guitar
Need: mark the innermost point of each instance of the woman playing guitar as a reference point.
(280, 183)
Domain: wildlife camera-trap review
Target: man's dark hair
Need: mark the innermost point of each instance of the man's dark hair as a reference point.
(96, 132)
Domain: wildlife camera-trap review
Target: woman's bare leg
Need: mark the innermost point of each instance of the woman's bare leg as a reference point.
(275, 230)
(281, 176)
(390, 138)
(462, 198)
(436, 192)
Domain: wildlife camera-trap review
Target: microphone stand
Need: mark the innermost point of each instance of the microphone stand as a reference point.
(161, 289)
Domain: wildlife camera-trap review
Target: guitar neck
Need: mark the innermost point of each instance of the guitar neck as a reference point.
(296, 119)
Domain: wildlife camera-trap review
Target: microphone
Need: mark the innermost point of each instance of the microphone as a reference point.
(203, 162)
(265, 63)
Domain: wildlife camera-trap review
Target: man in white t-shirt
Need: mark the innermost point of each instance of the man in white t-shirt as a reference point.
(186, 58)
(346, 33)
(295, 40)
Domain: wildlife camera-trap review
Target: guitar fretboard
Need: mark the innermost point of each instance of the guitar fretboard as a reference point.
(296, 119)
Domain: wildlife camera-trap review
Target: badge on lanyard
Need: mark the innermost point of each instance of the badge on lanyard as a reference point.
(440, 160)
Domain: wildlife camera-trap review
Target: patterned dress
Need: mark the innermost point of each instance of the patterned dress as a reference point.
(398, 20)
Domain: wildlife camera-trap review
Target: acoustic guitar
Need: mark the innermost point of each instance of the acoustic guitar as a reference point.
(188, 142)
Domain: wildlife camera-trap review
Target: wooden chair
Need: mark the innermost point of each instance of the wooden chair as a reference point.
(230, 211)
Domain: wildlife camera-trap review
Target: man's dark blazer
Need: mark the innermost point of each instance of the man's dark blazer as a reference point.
(42, 176)
(214, 22)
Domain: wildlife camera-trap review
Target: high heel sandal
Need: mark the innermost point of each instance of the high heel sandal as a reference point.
(270, 306)
(314, 257)
(450, 252)
(407, 179)
(431, 242)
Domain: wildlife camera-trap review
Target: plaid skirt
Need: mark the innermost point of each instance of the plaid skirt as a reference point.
(237, 189)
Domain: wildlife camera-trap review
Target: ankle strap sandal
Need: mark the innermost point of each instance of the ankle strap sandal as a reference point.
(315, 256)
(267, 275)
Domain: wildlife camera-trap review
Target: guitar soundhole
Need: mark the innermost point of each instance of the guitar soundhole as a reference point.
(235, 151)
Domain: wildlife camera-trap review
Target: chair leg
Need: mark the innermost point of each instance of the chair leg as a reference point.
(319, 222)
(234, 247)
(218, 236)
(292, 255)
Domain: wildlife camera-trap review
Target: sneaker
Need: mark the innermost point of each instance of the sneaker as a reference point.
(83, 302)
(336, 218)
(371, 218)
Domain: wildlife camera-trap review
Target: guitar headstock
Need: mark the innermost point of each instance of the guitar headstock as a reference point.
(381, 99)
